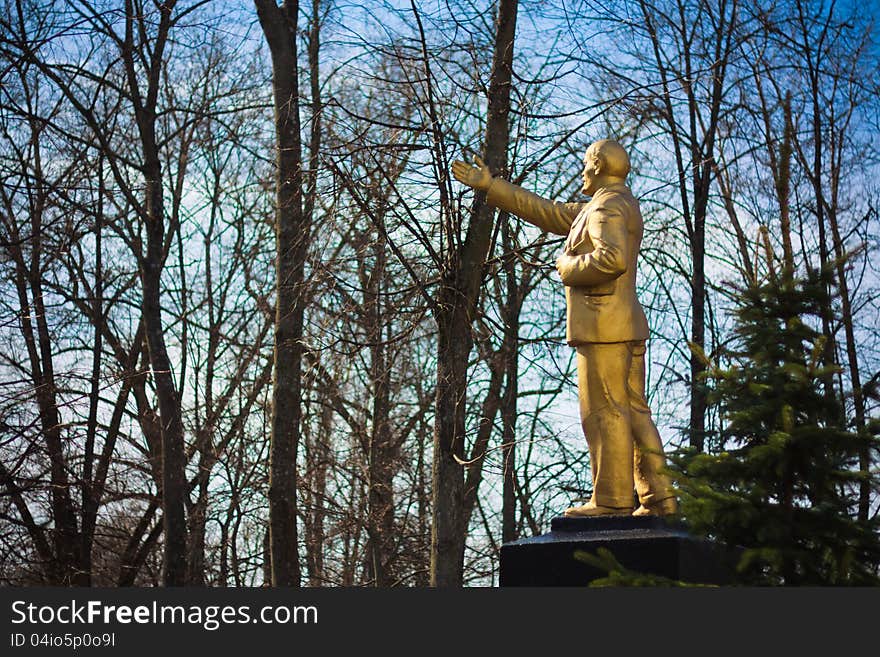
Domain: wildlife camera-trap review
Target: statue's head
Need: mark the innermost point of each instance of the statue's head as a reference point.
(605, 162)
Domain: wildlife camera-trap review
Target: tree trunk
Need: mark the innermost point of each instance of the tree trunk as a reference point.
(136, 550)
(198, 513)
(380, 468)
(457, 306)
(174, 487)
(813, 72)
(63, 568)
(698, 330)
(292, 227)
(511, 313)
(447, 531)
(319, 463)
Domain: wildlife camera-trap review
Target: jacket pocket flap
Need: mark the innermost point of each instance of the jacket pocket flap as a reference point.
(601, 290)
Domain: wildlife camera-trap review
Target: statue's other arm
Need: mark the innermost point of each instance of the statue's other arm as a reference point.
(609, 257)
(552, 216)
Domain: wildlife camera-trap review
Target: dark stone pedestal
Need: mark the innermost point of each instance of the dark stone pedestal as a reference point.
(643, 544)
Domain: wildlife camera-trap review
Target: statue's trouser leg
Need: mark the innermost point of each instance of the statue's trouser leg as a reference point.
(651, 485)
(603, 371)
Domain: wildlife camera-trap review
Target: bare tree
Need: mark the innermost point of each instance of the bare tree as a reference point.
(294, 209)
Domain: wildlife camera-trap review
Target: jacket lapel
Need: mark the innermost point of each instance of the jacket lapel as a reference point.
(579, 232)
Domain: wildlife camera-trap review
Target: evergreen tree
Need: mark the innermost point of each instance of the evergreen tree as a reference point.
(782, 479)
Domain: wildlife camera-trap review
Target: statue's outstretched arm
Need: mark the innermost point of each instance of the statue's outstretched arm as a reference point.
(547, 215)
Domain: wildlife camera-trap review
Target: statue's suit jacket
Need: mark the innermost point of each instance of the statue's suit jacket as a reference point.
(604, 235)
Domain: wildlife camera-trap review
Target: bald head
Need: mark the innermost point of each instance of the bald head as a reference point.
(605, 162)
(608, 156)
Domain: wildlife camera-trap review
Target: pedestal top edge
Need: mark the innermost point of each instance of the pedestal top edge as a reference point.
(614, 523)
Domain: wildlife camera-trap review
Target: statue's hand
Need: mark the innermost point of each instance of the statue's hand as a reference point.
(478, 177)
(565, 265)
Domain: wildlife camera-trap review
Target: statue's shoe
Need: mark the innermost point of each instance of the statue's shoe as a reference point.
(590, 510)
(665, 507)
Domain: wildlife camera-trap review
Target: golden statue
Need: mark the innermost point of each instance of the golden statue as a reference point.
(605, 323)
